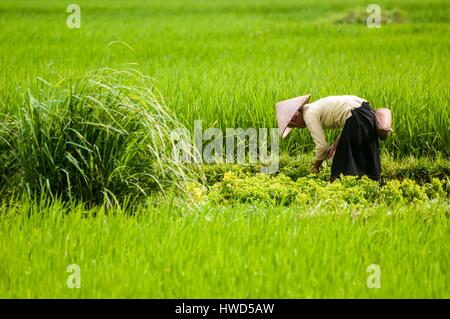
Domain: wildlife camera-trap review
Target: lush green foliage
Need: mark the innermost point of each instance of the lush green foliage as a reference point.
(106, 137)
(348, 190)
(228, 62)
(240, 234)
(244, 251)
(422, 169)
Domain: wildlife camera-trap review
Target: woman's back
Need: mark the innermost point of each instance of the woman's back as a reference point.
(331, 111)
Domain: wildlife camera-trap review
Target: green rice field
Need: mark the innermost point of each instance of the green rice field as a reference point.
(86, 116)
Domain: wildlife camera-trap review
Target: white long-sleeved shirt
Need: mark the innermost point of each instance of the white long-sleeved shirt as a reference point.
(328, 112)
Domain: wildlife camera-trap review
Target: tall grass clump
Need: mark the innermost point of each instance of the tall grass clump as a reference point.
(7, 134)
(104, 137)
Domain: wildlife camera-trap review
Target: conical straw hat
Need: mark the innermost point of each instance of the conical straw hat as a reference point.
(286, 110)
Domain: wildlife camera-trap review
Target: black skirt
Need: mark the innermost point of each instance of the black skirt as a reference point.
(358, 150)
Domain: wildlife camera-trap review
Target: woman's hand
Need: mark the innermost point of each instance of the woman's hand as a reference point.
(332, 148)
(331, 151)
(315, 169)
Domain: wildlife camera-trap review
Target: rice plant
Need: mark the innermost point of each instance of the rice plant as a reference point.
(241, 251)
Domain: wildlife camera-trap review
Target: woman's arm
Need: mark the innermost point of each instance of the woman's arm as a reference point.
(315, 128)
(333, 147)
(318, 135)
(318, 163)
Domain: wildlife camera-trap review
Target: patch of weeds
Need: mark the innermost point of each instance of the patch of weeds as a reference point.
(346, 191)
(360, 15)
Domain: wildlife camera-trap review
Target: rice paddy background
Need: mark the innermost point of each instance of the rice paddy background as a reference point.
(227, 63)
